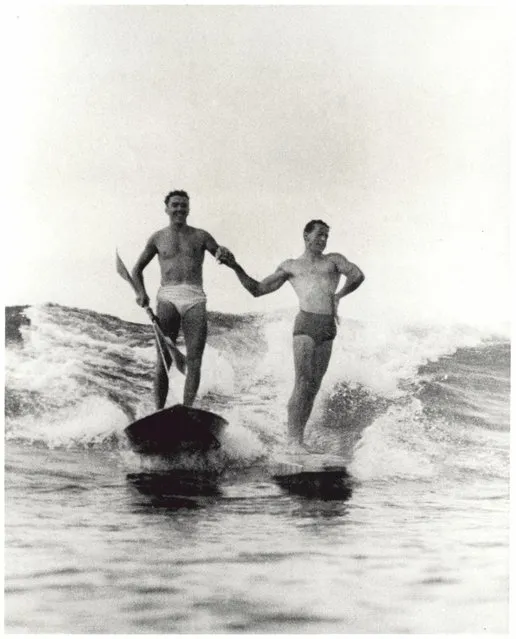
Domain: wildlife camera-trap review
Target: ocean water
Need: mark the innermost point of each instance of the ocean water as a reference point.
(100, 540)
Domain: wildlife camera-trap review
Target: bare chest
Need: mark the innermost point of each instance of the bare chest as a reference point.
(323, 270)
(179, 246)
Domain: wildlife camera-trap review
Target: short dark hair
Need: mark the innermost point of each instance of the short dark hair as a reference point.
(172, 193)
(312, 224)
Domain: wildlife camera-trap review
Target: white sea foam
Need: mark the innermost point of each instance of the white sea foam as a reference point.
(76, 389)
(91, 421)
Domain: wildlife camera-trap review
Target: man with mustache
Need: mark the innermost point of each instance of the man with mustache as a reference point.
(181, 298)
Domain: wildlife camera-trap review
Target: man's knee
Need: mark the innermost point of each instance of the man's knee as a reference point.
(193, 363)
(305, 382)
(195, 349)
(195, 338)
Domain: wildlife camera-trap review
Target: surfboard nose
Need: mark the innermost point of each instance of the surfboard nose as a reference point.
(174, 429)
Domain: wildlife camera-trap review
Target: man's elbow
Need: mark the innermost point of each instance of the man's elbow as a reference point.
(358, 280)
(257, 290)
(136, 272)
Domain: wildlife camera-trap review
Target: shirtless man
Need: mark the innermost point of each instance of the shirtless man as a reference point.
(315, 278)
(181, 299)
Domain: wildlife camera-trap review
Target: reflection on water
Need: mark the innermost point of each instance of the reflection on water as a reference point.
(316, 494)
(194, 551)
(173, 489)
(317, 510)
(328, 485)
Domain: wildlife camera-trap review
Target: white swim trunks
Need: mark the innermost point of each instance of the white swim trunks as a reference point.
(182, 296)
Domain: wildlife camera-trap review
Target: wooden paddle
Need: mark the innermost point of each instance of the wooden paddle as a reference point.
(165, 344)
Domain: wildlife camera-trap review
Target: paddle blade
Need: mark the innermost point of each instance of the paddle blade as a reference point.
(166, 355)
(177, 356)
(169, 349)
(122, 271)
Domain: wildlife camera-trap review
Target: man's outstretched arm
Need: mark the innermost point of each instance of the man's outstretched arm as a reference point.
(268, 285)
(220, 253)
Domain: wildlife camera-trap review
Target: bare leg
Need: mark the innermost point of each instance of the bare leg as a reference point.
(311, 363)
(169, 321)
(195, 329)
(300, 402)
(321, 360)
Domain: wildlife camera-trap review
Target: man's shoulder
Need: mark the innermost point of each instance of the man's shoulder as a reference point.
(342, 264)
(157, 235)
(198, 233)
(160, 234)
(287, 265)
(337, 258)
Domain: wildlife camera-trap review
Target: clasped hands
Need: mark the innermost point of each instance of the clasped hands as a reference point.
(225, 256)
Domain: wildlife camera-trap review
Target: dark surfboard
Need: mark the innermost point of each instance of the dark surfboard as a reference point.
(313, 476)
(176, 429)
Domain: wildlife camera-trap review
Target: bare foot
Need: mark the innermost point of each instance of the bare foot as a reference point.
(295, 448)
(298, 448)
(313, 451)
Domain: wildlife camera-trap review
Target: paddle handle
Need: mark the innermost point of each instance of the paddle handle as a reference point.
(151, 314)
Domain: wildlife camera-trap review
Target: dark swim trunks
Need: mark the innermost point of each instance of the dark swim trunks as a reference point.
(319, 327)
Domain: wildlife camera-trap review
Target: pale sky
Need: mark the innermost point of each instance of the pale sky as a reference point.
(391, 123)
